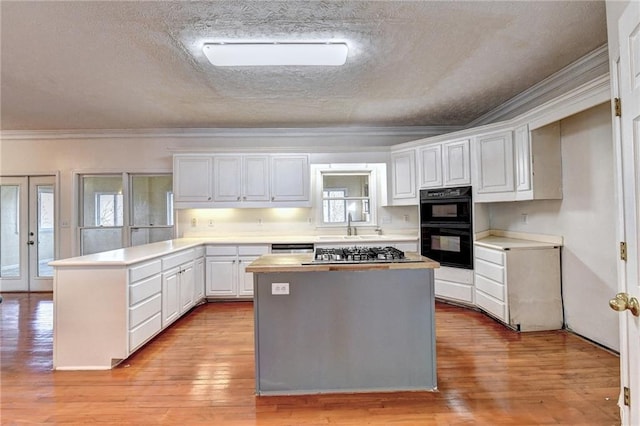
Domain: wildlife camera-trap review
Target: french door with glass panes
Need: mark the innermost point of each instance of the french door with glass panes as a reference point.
(124, 209)
(27, 233)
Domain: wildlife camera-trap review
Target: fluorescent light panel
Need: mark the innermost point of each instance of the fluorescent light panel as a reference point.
(276, 54)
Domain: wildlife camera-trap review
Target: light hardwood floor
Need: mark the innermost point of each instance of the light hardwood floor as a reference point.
(201, 371)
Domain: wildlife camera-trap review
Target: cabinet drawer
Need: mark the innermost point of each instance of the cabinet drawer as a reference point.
(177, 259)
(490, 287)
(144, 289)
(253, 250)
(144, 270)
(455, 291)
(490, 270)
(491, 305)
(458, 275)
(493, 256)
(222, 250)
(144, 310)
(144, 332)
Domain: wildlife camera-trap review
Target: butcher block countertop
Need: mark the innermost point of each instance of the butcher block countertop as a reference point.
(300, 263)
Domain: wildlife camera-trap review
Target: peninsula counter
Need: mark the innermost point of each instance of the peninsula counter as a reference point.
(343, 327)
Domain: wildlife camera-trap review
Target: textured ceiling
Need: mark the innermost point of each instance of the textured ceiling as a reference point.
(139, 65)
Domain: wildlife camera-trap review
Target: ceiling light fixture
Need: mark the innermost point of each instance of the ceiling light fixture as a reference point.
(276, 54)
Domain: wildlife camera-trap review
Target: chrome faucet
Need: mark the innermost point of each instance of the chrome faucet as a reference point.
(349, 224)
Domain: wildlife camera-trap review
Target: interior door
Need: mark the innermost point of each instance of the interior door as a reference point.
(27, 238)
(629, 161)
(14, 264)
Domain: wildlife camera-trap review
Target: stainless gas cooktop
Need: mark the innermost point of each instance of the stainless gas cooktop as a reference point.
(359, 255)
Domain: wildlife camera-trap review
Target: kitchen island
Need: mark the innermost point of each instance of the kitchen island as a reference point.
(343, 327)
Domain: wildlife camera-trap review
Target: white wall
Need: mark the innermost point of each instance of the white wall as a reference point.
(586, 218)
(67, 156)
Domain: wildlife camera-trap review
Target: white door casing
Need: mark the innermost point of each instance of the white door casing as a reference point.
(626, 79)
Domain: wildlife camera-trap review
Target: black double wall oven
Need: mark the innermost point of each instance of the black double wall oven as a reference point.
(446, 232)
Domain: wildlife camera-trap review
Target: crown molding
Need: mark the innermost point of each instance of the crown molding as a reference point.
(193, 133)
(585, 69)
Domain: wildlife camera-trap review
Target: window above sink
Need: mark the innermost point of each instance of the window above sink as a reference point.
(347, 194)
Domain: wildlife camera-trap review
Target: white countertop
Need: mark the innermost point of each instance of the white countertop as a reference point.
(131, 255)
(506, 240)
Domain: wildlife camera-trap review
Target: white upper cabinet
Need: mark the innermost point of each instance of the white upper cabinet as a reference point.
(403, 177)
(523, 158)
(445, 164)
(290, 178)
(456, 170)
(430, 158)
(192, 178)
(493, 161)
(527, 167)
(538, 163)
(241, 178)
(228, 178)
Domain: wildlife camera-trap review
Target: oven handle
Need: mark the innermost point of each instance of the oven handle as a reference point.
(446, 225)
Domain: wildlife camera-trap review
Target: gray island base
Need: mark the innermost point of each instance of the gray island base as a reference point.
(345, 331)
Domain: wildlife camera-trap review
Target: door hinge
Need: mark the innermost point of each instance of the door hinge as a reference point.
(623, 250)
(618, 107)
(627, 397)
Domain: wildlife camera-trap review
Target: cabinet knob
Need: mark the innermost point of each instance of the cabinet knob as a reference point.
(238, 198)
(244, 198)
(209, 198)
(273, 198)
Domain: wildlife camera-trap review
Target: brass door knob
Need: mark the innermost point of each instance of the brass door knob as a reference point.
(623, 301)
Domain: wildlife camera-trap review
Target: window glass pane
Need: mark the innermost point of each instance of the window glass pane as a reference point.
(353, 185)
(102, 201)
(337, 190)
(10, 231)
(141, 236)
(152, 200)
(45, 230)
(95, 240)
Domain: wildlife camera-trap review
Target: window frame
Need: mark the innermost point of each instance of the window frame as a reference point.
(127, 227)
(374, 198)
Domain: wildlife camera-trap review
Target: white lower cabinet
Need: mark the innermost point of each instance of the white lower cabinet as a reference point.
(177, 285)
(454, 284)
(198, 278)
(225, 270)
(145, 302)
(520, 287)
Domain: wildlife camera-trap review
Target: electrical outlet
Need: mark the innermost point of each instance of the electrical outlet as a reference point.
(194, 222)
(211, 222)
(279, 288)
(525, 218)
(259, 221)
(405, 218)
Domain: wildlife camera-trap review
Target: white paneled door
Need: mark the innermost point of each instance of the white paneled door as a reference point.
(27, 233)
(628, 160)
